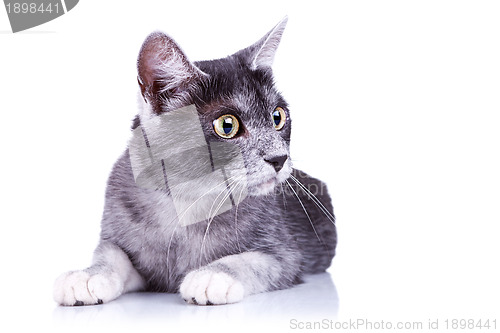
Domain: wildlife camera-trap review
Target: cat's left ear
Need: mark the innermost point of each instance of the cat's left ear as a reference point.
(164, 71)
(261, 54)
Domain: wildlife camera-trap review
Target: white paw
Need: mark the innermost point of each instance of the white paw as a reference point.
(206, 287)
(81, 288)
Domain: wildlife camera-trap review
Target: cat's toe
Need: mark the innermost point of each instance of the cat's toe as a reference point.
(79, 288)
(205, 287)
(223, 289)
(104, 288)
(71, 289)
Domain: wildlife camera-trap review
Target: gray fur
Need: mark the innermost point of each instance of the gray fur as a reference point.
(275, 224)
(266, 242)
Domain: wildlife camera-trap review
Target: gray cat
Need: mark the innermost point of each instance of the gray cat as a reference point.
(219, 213)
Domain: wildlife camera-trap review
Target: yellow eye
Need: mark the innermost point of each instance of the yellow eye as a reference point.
(279, 118)
(226, 126)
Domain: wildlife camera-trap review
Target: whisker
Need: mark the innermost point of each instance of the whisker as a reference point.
(231, 189)
(210, 190)
(305, 211)
(224, 198)
(180, 218)
(284, 196)
(315, 200)
(236, 219)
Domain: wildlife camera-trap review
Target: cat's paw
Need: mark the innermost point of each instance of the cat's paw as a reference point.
(81, 288)
(206, 287)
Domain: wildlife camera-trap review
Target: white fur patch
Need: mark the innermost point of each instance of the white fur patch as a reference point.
(205, 287)
(111, 275)
(81, 288)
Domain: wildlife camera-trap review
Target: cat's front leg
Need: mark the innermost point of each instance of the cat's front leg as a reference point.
(110, 275)
(230, 278)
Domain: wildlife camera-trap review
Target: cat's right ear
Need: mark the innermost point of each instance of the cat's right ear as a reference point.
(164, 71)
(261, 54)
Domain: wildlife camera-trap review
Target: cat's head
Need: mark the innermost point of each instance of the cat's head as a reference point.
(235, 99)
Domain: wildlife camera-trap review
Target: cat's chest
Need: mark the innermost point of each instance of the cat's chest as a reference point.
(164, 254)
(164, 241)
(164, 250)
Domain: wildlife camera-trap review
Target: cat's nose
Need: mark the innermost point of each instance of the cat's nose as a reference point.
(277, 162)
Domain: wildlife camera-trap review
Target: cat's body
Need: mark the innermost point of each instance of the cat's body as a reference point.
(273, 224)
(282, 228)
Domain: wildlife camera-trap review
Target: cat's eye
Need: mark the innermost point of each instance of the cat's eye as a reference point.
(226, 126)
(279, 118)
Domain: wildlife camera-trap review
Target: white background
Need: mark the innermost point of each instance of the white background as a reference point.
(395, 105)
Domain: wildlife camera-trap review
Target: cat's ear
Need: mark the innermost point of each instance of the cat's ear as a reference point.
(261, 54)
(164, 69)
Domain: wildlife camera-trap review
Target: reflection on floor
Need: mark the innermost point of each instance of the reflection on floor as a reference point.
(314, 300)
